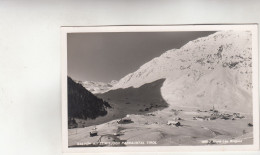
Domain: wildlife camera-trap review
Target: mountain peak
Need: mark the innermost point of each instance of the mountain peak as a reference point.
(98, 87)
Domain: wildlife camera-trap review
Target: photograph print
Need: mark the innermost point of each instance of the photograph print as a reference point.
(160, 86)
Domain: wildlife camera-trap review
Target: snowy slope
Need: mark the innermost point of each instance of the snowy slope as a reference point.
(214, 70)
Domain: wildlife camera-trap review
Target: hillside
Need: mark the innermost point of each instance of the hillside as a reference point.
(213, 70)
(82, 104)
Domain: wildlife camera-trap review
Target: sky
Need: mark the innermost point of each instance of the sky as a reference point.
(104, 57)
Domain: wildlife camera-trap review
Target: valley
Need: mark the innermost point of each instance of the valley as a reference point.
(153, 127)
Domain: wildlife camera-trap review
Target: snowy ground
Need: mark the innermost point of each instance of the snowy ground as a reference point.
(153, 130)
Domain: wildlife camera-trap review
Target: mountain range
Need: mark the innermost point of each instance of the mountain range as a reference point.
(213, 71)
(98, 87)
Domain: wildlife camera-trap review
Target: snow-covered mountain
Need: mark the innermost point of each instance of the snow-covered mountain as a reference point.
(98, 87)
(213, 70)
